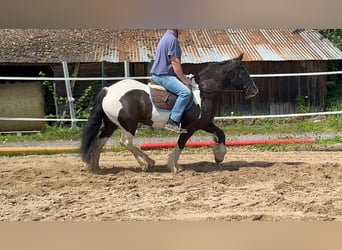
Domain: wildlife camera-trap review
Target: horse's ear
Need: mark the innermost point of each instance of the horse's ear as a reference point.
(239, 58)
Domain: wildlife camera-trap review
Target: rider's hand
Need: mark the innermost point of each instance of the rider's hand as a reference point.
(187, 82)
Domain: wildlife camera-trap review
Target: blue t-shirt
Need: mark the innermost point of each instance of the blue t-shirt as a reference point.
(167, 46)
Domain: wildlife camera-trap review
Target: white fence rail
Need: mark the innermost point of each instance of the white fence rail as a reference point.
(215, 118)
(73, 119)
(9, 78)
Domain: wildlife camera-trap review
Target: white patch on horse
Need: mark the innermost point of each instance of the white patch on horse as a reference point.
(172, 162)
(219, 151)
(196, 92)
(144, 160)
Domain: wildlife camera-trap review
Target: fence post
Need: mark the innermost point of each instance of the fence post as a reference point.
(126, 65)
(69, 93)
(103, 72)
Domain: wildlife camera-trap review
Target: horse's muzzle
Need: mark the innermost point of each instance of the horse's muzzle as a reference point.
(251, 90)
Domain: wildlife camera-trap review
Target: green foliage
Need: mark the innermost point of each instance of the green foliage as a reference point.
(303, 104)
(82, 104)
(85, 102)
(334, 35)
(334, 93)
(46, 83)
(334, 97)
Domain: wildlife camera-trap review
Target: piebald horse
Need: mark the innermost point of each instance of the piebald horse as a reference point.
(128, 103)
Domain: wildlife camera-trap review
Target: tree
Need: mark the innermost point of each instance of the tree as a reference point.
(334, 35)
(334, 93)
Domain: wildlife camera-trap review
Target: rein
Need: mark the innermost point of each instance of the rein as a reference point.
(196, 86)
(213, 91)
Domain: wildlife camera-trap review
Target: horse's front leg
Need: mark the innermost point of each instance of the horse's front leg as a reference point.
(144, 161)
(172, 162)
(219, 149)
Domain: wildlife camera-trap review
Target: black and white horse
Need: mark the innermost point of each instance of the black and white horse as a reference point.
(127, 103)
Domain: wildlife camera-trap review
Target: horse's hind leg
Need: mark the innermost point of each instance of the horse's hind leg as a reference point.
(93, 165)
(106, 131)
(144, 161)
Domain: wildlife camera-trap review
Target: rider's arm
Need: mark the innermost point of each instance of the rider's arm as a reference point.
(177, 68)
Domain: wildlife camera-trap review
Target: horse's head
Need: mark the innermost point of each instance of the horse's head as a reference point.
(228, 76)
(239, 78)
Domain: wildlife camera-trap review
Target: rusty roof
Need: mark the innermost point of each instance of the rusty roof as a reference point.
(138, 45)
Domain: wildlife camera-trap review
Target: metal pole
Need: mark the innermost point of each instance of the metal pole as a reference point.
(103, 72)
(55, 98)
(126, 65)
(69, 93)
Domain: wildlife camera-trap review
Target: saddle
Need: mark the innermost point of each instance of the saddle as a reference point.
(163, 99)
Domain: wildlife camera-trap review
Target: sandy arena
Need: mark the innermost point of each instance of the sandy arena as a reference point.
(249, 185)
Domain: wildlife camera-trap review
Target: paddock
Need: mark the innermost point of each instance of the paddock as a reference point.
(249, 185)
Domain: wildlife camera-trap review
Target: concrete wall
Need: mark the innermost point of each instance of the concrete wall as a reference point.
(21, 99)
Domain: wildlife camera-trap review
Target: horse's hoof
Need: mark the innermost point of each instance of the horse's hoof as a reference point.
(146, 166)
(176, 170)
(144, 169)
(173, 169)
(95, 170)
(92, 168)
(151, 163)
(218, 161)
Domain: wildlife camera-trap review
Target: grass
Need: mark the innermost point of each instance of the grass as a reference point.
(319, 124)
(318, 145)
(322, 124)
(48, 133)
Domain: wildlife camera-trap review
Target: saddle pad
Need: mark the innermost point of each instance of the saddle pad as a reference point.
(162, 99)
(156, 86)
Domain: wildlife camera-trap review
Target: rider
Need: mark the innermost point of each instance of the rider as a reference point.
(167, 71)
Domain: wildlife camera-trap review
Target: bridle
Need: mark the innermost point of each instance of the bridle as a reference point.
(196, 86)
(214, 91)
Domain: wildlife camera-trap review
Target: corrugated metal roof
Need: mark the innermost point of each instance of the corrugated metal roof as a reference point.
(198, 45)
(261, 45)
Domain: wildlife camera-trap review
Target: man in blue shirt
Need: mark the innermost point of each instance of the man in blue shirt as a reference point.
(167, 71)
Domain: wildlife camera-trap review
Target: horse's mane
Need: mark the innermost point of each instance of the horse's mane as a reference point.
(211, 66)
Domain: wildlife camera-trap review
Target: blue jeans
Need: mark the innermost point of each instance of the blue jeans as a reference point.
(172, 84)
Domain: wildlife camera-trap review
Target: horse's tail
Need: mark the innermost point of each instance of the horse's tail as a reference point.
(92, 127)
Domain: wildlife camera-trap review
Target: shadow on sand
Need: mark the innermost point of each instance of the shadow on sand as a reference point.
(203, 166)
